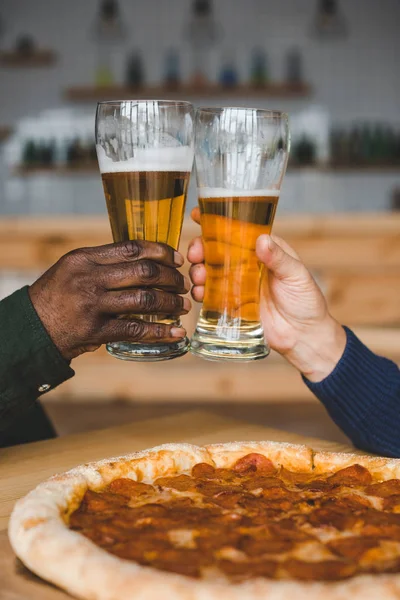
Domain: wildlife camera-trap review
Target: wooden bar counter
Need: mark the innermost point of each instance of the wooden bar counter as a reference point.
(354, 257)
(23, 467)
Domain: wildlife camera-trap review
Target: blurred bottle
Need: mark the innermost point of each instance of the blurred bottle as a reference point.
(294, 67)
(228, 76)
(172, 72)
(305, 151)
(109, 33)
(134, 70)
(29, 154)
(366, 144)
(355, 146)
(258, 68)
(202, 33)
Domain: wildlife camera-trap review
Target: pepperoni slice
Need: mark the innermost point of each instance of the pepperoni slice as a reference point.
(328, 570)
(261, 482)
(352, 502)
(227, 499)
(352, 476)
(256, 546)
(182, 483)
(317, 485)
(391, 503)
(280, 493)
(384, 489)
(102, 502)
(377, 517)
(130, 488)
(203, 471)
(334, 518)
(293, 478)
(353, 547)
(210, 488)
(254, 462)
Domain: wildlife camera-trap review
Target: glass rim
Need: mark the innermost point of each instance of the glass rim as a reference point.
(146, 101)
(266, 112)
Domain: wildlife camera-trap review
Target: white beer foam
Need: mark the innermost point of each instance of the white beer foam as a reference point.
(148, 159)
(204, 192)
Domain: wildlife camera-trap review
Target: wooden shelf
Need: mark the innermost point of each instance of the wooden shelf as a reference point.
(92, 168)
(95, 94)
(38, 58)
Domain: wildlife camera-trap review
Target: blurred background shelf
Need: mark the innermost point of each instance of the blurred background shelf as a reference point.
(276, 90)
(92, 168)
(37, 58)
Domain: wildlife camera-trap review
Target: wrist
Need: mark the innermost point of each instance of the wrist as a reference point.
(318, 350)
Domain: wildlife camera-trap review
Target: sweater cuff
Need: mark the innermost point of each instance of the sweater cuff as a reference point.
(35, 363)
(356, 390)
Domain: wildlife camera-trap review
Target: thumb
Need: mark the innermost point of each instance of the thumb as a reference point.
(276, 259)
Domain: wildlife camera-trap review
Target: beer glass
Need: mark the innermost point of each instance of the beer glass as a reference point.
(241, 156)
(145, 155)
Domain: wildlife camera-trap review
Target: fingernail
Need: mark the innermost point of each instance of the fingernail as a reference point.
(178, 259)
(186, 283)
(187, 305)
(266, 239)
(178, 332)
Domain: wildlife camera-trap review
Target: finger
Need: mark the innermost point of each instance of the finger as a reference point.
(285, 246)
(195, 214)
(197, 274)
(135, 330)
(133, 250)
(196, 251)
(143, 273)
(279, 262)
(198, 293)
(144, 301)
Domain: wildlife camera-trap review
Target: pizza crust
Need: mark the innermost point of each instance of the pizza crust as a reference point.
(41, 539)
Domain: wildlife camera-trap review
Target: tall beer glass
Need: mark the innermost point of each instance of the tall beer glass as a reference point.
(241, 156)
(145, 155)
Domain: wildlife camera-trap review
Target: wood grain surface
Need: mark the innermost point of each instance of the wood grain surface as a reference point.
(23, 467)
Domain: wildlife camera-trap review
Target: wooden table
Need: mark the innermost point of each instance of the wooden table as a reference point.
(23, 467)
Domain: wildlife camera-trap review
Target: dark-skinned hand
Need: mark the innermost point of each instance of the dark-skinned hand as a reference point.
(80, 298)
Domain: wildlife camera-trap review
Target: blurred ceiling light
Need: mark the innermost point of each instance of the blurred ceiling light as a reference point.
(108, 25)
(329, 22)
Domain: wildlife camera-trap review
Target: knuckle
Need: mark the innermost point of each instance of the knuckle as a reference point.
(148, 270)
(136, 330)
(179, 280)
(158, 331)
(72, 258)
(147, 300)
(176, 301)
(131, 249)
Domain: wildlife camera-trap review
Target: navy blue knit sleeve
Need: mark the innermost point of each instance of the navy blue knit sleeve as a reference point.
(362, 395)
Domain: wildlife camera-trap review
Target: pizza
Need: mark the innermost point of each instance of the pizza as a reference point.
(238, 521)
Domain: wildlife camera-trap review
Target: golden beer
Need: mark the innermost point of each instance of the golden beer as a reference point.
(230, 228)
(146, 205)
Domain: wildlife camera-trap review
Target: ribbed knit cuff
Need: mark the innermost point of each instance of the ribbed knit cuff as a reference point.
(362, 397)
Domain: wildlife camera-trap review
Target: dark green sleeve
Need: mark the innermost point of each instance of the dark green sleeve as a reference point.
(30, 365)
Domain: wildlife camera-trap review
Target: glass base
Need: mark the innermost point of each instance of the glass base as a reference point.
(249, 345)
(148, 352)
